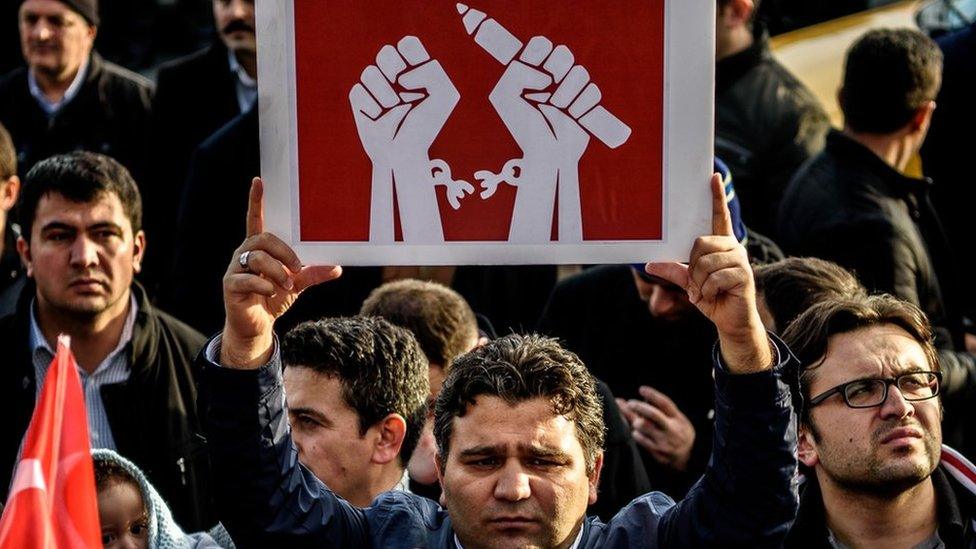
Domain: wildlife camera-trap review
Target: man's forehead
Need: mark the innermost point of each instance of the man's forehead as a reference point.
(492, 421)
(881, 350)
(312, 389)
(104, 204)
(47, 7)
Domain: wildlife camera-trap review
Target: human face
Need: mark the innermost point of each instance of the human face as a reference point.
(515, 476)
(664, 301)
(122, 514)
(235, 23)
(54, 39)
(326, 432)
(881, 450)
(82, 256)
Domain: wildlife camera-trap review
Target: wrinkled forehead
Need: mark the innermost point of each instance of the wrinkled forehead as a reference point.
(515, 428)
(877, 351)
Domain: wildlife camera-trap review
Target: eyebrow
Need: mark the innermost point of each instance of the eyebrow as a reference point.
(62, 226)
(534, 451)
(318, 416)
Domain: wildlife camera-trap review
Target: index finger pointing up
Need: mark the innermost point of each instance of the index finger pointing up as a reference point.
(721, 218)
(255, 210)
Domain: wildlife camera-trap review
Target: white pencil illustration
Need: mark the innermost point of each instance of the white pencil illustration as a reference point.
(577, 93)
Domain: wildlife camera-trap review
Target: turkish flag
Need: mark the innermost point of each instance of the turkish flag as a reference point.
(52, 501)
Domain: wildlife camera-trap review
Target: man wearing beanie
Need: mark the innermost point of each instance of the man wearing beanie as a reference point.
(67, 97)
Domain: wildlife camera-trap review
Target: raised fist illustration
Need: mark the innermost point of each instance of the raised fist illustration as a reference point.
(397, 127)
(543, 123)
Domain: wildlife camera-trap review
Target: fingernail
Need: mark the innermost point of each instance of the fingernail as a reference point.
(289, 284)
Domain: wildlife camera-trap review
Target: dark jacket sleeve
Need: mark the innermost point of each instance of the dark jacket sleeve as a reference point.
(624, 477)
(748, 495)
(264, 497)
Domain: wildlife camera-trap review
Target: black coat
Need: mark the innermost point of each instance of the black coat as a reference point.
(766, 125)
(110, 115)
(195, 97)
(946, 155)
(849, 206)
(153, 414)
(599, 315)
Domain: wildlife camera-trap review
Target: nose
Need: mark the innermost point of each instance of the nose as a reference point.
(84, 252)
(661, 302)
(237, 8)
(512, 484)
(129, 541)
(895, 406)
(41, 30)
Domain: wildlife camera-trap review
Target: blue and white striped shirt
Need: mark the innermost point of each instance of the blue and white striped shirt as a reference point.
(114, 369)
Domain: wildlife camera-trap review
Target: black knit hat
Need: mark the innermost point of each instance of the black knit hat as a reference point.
(85, 8)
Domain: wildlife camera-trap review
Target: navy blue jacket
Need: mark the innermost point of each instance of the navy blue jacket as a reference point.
(265, 498)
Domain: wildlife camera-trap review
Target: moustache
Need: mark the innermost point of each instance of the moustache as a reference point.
(891, 425)
(237, 25)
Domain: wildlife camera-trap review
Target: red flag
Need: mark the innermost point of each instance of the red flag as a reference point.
(52, 502)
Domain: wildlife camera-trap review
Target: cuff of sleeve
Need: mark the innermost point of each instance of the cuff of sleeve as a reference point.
(757, 390)
(267, 377)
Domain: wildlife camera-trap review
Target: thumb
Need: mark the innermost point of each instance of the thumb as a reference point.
(312, 275)
(675, 273)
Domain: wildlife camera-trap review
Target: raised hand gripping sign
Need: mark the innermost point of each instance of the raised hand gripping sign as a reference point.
(530, 131)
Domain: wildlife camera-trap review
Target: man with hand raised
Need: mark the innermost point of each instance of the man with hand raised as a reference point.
(517, 423)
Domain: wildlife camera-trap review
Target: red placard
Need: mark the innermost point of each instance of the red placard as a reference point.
(621, 44)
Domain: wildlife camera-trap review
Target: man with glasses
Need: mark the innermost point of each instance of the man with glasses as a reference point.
(870, 434)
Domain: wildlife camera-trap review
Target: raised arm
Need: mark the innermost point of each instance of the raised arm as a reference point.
(747, 496)
(263, 495)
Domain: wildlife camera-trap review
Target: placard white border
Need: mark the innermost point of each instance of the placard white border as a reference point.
(688, 150)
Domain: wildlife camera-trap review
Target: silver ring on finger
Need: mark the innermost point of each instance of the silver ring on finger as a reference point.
(242, 260)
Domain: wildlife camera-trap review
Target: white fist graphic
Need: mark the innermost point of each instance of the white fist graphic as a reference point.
(397, 130)
(401, 126)
(542, 123)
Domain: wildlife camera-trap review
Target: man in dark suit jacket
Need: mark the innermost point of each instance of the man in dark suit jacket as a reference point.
(196, 96)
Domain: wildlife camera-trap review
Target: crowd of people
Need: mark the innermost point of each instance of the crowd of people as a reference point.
(800, 381)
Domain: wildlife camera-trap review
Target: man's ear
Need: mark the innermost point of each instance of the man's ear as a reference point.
(23, 250)
(390, 433)
(8, 193)
(439, 468)
(807, 447)
(923, 117)
(736, 13)
(138, 250)
(595, 477)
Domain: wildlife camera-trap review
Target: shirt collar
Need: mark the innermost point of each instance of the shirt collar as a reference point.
(575, 545)
(241, 74)
(52, 107)
(39, 343)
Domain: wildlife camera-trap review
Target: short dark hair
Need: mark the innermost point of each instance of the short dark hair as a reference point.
(8, 155)
(791, 286)
(109, 472)
(889, 75)
(809, 335)
(79, 177)
(440, 319)
(517, 368)
(380, 366)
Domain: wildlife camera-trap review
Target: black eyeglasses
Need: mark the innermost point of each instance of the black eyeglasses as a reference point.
(868, 393)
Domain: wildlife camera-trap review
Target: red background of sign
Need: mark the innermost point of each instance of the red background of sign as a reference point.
(621, 44)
